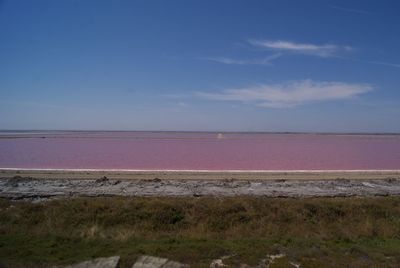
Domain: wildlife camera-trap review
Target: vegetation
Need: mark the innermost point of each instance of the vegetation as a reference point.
(314, 232)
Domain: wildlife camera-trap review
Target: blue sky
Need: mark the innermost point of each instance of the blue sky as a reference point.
(327, 66)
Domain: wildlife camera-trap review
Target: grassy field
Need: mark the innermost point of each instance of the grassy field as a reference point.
(315, 232)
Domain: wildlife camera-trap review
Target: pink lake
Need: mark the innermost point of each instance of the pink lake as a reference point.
(198, 151)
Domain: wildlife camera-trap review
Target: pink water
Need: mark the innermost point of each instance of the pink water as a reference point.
(198, 151)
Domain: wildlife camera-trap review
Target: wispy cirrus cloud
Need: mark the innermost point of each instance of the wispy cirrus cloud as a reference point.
(284, 47)
(326, 50)
(262, 61)
(383, 63)
(389, 64)
(291, 94)
(351, 10)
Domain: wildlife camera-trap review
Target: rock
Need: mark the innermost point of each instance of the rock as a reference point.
(111, 262)
(296, 265)
(155, 262)
(174, 264)
(149, 262)
(102, 180)
(217, 263)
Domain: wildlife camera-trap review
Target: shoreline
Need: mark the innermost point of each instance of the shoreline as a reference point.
(134, 174)
(205, 170)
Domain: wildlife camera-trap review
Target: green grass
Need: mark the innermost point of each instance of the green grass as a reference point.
(315, 232)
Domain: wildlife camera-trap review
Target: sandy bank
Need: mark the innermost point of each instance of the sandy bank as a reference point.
(199, 174)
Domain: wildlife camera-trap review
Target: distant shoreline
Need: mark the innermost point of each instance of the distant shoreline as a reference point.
(8, 131)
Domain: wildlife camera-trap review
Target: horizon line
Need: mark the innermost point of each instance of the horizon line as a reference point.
(211, 131)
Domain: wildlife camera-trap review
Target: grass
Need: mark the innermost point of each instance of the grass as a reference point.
(314, 232)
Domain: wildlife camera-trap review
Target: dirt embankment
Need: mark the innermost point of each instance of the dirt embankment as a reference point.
(48, 187)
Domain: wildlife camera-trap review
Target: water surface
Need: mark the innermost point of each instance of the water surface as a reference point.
(198, 151)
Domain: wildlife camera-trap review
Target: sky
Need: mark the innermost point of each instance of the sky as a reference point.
(287, 65)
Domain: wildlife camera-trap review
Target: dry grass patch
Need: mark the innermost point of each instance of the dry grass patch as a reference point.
(311, 231)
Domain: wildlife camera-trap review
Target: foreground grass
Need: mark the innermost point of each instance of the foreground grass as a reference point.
(315, 232)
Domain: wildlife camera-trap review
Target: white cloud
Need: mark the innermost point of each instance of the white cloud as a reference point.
(327, 50)
(263, 61)
(290, 94)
